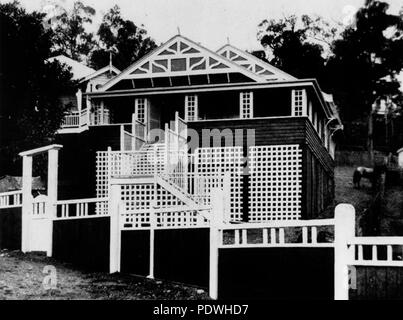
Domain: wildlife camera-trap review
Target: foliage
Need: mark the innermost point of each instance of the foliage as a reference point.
(123, 38)
(70, 35)
(366, 60)
(30, 109)
(298, 46)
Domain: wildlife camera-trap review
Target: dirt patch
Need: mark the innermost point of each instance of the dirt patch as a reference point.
(21, 277)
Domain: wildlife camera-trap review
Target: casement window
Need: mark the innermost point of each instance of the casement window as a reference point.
(141, 109)
(246, 105)
(191, 108)
(298, 101)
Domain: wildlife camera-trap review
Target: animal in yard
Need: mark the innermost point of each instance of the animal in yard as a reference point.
(362, 172)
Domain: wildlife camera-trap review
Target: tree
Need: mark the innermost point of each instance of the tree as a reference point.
(298, 46)
(123, 38)
(70, 35)
(30, 110)
(365, 63)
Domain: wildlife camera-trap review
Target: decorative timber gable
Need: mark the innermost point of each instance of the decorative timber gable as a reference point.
(181, 57)
(254, 64)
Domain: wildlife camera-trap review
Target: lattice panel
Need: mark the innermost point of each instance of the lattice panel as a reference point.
(275, 183)
(138, 199)
(180, 219)
(102, 174)
(212, 163)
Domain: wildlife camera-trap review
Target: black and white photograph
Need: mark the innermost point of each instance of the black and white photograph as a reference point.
(205, 150)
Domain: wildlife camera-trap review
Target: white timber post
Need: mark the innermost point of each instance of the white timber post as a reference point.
(102, 113)
(167, 148)
(88, 104)
(122, 138)
(153, 223)
(134, 131)
(344, 232)
(27, 202)
(215, 222)
(53, 164)
(79, 96)
(115, 208)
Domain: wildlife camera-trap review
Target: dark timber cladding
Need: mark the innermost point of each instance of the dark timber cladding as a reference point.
(182, 255)
(83, 242)
(317, 165)
(10, 228)
(276, 273)
(377, 283)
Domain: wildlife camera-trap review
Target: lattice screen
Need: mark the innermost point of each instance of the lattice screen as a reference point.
(138, 199)
(214, 162)
(102, 174)
(275, 183)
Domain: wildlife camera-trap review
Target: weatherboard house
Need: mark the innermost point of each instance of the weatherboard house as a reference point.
(263, 122)
(204, 168)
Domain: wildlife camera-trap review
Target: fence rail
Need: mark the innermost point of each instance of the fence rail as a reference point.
(273, 234)
(165, 218)
(11, 199)
(82, 208)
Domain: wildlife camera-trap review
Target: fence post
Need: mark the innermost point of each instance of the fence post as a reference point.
(53, 163)
(27, 202)
(216, 221)
(115, 208)
(344, 232)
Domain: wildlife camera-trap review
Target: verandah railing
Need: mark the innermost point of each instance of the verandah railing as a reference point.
(76, 119)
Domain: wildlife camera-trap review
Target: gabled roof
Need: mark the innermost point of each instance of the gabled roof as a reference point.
(108, 68)
(180, 56)
(254, 64)
(78, 69)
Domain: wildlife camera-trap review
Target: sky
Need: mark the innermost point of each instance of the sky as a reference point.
(212, 22)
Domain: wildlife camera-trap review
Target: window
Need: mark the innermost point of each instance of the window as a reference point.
(191, 108)
(141, 109)
(246, 105)
(298, 102)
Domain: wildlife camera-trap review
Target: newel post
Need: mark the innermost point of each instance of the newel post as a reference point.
(344, 232)
(115, 208)
(216, 220)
